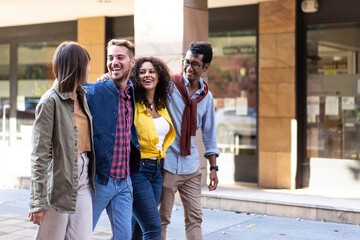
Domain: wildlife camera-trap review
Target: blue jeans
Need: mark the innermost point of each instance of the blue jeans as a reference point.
(147, 184)
(116, 198)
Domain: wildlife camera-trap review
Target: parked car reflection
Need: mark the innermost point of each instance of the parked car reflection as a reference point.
(235, 131)
(29, 113)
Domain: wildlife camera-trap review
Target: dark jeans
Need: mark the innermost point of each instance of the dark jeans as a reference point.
(147, 185)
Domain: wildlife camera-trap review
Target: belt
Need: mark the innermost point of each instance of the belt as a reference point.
(151, 161)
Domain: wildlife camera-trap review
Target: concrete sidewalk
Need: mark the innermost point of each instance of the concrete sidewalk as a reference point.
(217, 225)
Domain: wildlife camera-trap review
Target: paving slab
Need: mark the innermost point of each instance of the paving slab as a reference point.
(217, 224)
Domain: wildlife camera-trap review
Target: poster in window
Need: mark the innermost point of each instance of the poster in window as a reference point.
(348, 103)
(229, 102)
(313, 105)
(241, 106)
(332, 105)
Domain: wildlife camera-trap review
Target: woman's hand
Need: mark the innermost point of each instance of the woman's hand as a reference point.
(104, 78)
(37, 217)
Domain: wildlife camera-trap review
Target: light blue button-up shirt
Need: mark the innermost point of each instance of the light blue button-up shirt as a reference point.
(174, 162)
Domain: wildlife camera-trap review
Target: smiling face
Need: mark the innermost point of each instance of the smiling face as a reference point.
(148, 77)
(193, 75)
(119, 63)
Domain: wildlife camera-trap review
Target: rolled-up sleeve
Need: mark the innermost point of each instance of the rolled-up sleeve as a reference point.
(209, 130)
(41, 141)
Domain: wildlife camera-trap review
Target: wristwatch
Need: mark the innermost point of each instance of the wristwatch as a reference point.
(216, 168)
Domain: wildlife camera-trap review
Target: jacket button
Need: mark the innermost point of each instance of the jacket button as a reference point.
(75, 127)
(74, 196)
(75, 160)
(75, 177)
(75, 143)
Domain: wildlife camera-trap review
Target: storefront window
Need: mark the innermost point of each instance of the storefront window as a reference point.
(233, 83)
(333, 91)
(4, 88)
(35, 77)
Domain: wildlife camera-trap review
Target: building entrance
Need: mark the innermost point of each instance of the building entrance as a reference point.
(333, 104)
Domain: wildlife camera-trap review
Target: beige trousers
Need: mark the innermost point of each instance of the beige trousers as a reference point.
(76, 226)
(189, 187)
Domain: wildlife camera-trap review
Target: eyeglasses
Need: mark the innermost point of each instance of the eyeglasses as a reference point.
(194, 65)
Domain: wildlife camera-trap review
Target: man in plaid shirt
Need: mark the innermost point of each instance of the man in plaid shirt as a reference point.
(112, 107)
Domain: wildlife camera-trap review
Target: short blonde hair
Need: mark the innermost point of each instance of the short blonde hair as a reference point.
(122, 42)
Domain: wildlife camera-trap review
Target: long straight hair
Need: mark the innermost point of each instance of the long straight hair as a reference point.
(69, 65)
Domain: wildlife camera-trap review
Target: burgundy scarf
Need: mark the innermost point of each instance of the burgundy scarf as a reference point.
(189, 118)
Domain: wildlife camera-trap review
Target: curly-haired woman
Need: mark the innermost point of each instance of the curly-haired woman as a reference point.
(151, 79)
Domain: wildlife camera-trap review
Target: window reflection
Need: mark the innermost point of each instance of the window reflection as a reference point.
(333, 95)
(35, 77)
(233, 83)
(4, 84)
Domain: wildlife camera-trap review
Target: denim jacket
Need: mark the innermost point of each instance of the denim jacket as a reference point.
(103, 98)
(54, 181)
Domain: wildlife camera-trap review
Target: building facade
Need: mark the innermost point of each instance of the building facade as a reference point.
(284, 78)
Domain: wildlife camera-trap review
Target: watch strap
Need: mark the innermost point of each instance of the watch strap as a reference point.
(216, 168)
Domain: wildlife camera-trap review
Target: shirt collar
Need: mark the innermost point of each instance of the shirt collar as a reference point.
(187, 84)
(63, 95)
(141, 107)
(128, 86)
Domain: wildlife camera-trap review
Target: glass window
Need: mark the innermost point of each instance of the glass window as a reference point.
(333, 91)
(233, 83)
(35, 77)
(4, 87)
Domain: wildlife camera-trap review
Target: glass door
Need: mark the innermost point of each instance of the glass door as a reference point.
(4, 91)
(333, 104)
(233, 83)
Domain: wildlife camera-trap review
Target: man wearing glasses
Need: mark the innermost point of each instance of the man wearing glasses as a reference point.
(191, 106)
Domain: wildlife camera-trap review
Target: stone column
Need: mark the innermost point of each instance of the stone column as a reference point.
(165, 28)
(277, 124)
(91, 34)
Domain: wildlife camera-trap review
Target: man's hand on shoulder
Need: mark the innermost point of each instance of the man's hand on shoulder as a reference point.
(104, 78)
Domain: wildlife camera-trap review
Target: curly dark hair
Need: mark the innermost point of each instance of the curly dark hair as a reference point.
(163, 88)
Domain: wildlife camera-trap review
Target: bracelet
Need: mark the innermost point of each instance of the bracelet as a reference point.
(216, 168)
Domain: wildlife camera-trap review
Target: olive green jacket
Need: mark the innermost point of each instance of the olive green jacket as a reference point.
(54, 181)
